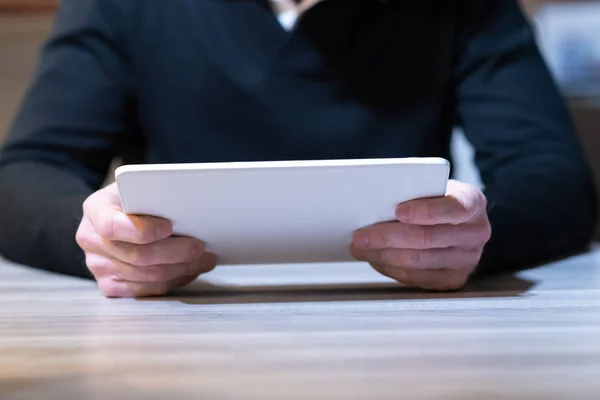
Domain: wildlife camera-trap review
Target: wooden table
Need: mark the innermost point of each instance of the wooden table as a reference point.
(311, 332)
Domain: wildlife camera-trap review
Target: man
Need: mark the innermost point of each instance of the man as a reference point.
(206, 81)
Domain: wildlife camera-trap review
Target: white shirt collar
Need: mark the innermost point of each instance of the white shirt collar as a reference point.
(288, 12)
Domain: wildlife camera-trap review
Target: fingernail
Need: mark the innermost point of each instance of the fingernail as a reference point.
(362, 239)
(404, 212)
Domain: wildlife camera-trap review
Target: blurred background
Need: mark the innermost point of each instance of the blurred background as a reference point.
(568, 33)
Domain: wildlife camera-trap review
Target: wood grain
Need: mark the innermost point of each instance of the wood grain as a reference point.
(308, 332)
(29, 5)
(21, 38)
(305, 332)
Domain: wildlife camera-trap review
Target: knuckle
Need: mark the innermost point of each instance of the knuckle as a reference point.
(486, 233)
(453, 235)
(467, 210)
(410, 258)
(83, 238)
(482, 201)
(425, 237)
(476, 205)
(87, 205)
(106, 226)
(419, 236)
(427, 211)
(379, 238)
(464, 208)
(480, 233)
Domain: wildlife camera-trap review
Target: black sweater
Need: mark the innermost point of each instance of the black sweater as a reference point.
(219, 80)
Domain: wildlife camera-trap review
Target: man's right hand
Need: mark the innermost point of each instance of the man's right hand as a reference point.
(133, 256)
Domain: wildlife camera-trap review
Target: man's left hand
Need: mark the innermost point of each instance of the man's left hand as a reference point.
(434, 243)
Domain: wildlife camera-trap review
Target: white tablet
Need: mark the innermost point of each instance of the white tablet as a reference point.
(278, 212)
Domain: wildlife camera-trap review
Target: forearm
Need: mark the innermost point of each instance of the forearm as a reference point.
(541, 207)
(73, 122)
(540, 190)
(40, 211)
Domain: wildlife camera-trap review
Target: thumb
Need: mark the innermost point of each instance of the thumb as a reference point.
(103, 210)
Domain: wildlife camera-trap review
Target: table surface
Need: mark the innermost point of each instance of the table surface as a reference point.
(305, 332)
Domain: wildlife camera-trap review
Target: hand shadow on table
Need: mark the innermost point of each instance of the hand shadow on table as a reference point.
(202, 292)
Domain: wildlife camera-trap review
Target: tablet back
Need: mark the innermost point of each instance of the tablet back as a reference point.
(278, 212)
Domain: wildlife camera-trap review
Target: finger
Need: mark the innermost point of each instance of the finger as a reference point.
(406, 236)
(102, 266)
(174, 250)
(114, 288)
(111, 193)
(437, 280)
(434, 259)
(462, 203)
(112, 224)
(104, 212)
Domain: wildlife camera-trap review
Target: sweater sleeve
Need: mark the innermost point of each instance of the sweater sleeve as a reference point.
(542, 200)
(70, 126)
